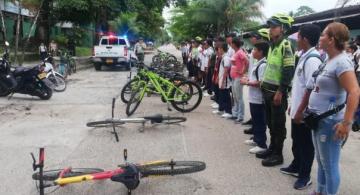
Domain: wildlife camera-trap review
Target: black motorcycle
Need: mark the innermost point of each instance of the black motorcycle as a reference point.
(24, 80)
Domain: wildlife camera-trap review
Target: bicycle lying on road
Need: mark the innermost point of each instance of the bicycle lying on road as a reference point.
(184, 96)
(155, 119)
(128, 174)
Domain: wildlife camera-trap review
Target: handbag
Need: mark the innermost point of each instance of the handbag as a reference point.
(312, 119)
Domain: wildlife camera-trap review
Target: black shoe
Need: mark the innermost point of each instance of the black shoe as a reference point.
(302, 183)
(273, 160)
(249, 131)
(289, 171)
(248, 122)
(264, 155)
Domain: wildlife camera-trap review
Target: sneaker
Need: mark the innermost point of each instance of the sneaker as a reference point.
(250, 142)
(248, 122)
(289, 171)
(256, 150)
(226, 115)
(206, 94)
(239, 121)
(215, 106)
(302, 183)
(216, 112)
(249, 131)
(273, 160)
(264, 155)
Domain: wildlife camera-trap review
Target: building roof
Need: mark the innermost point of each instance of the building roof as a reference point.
(348, 15)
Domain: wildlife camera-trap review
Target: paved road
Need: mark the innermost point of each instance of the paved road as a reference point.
(59, 125)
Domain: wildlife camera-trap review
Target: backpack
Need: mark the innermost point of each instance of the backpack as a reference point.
(312, 55)
(257, 70)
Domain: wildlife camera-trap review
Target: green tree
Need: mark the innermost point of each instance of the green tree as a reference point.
(124, 23)
(303, 10)
(204, 17)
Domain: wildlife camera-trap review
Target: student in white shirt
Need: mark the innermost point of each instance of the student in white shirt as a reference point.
(302, 146)
(257, 107)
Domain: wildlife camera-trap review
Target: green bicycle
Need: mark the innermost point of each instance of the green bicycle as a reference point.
(184, 96)
(141, 74)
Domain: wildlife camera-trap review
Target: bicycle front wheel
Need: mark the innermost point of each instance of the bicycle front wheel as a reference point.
(105, 123)
(186, 96)
(127, 89)
(59, 82)
(52, 175)
(171, 168)
(136, 98)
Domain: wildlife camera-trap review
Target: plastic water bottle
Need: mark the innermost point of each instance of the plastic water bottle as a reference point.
(332, 105)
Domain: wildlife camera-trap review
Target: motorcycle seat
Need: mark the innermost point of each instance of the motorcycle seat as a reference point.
(20, 70)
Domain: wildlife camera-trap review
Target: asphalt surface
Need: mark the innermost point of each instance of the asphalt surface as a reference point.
(27, 123)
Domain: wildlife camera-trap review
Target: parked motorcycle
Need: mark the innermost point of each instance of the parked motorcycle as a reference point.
(56, 78)
(31, 81)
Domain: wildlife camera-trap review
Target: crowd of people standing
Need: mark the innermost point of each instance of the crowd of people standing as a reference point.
(319, 77)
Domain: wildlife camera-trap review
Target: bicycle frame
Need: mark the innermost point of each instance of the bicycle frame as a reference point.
(159, 83)
(88, 177)
(130, 183)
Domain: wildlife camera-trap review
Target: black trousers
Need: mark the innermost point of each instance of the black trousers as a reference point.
(257, 112)
(225, 100)
(276, 119)
(215, 88)
(302, 148)
(209, 83)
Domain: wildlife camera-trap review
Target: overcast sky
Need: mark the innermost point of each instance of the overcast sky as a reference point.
(285, 6)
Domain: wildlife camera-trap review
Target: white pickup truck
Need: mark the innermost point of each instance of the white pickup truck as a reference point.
(113, 50)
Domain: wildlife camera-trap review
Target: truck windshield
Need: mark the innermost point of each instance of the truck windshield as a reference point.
(113, 41)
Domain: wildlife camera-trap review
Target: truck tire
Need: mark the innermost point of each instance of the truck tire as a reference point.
(97, 67)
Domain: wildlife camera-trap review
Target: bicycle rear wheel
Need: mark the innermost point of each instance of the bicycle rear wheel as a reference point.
(158, 118)
(105, 123)
(171, 168)
(173, 120)
(52, 175)
(186, 96)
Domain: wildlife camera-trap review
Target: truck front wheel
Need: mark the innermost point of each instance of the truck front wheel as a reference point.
(97, 67)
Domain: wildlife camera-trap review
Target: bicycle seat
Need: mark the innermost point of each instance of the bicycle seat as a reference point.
(158, 118)
(130, 177)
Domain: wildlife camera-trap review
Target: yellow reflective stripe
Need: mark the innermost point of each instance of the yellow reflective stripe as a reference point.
(155, 162)
(77, 179)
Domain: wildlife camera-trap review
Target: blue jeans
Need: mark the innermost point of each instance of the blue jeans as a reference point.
(238, 108)
(259, 124)
(327, 150)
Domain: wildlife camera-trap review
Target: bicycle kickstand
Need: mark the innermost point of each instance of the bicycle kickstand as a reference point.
(142, 129)
(168, 107)
(125, 156)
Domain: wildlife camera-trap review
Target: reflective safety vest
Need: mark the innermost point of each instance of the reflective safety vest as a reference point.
(275, 63)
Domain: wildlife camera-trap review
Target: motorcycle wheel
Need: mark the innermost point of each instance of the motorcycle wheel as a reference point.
(4, 91)
(46, 93)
